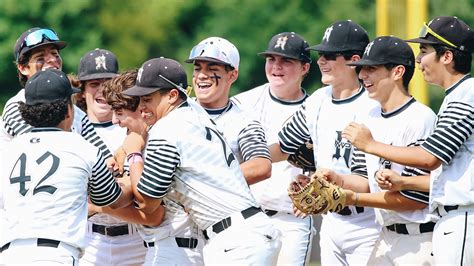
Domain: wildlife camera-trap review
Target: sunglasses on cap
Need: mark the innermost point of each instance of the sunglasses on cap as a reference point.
(427, 30)
(210, 51)
(330, 56)
(37, 37)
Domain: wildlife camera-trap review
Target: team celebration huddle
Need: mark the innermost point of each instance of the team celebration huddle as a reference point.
(151, 167)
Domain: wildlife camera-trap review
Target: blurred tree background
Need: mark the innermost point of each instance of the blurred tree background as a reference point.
(137, 30)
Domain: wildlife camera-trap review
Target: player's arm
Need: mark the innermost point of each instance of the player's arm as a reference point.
(347, 181)
(257, 164)
(390, 180)
(390, 200)
(150, 180)
(277, 154)
(133, 215)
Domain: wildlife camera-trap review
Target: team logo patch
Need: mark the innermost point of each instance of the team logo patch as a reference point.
(100, 62)
(281, 42)
(327, 34)
(139, 74)
(367, 49)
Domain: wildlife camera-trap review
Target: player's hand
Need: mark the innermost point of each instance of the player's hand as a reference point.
(92, 209)
(299, 213)
(332, 176)
(133, 142)
(389, 180)
(359, 135)
(120, 156)
(125, 181)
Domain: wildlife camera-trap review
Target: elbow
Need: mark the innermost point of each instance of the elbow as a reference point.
(432, 163)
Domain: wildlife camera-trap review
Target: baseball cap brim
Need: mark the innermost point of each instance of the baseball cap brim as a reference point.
(324, 48)
(205, 58)
(422, 40)
(277, 53)
(366, 62)
(139, 91)
(98, 76)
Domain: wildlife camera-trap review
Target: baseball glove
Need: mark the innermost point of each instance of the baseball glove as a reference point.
(315, 195)
(303, 157)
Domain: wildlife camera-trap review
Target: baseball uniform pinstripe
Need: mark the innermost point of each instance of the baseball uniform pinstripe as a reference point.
(209, 183)
(125, 247)
(409, 124)
(348, 236)
(50, 173)
(452, 187)
(297, 233)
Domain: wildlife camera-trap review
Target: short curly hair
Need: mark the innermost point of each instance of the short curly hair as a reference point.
(45, 114)
(113, 88)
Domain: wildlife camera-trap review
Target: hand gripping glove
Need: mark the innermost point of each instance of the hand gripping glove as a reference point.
(315, 195)
(304, 157)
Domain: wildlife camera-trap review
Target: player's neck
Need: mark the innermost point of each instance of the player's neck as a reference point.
(345, 89)
(394, 99)
(287, 94)
(450, 79)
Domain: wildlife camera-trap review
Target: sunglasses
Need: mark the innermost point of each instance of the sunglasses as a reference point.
(427, 30)
(37, 37)
(211, 51)
(330, 56)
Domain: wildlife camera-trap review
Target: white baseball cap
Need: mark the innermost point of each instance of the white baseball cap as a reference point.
(215, 49)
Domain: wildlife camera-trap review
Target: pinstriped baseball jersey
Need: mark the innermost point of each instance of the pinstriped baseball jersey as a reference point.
(322, 119)
(453, 143)
(176, 222)
(113, 136)
(272, 113)
(408, 125)
(185, 148)
(47, 177)
(244, 134)
(13, 123)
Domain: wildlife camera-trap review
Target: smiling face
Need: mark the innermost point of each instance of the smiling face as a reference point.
(97, 108)
(284, 73)
(429, 64)
(377, 81)
(134, 121)
(333, 69)
(42, 58)
(212, 83)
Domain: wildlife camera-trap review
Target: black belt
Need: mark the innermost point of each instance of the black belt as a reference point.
(270, 213)
(105, 230)
(347, 211)
(402, 228)
(180, 241)
(40, 242)
(227, 222)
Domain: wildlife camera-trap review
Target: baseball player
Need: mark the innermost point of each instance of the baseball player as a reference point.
(346, 237)
(287, 62)
(185, 151)
(105, 234)
(38, 49)
(171, 237)
(47, 177)
(387, 66)
(446, 44)
(216, 68)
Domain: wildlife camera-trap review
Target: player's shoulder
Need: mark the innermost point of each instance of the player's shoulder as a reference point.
(19, 97)
(462, 92)
(320, 94)
(250, 97)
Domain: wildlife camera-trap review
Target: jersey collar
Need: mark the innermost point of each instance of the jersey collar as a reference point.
(450, 89)
(399, 110)
(300, 101)
(221, 110)
(45, 129)
(350, 98)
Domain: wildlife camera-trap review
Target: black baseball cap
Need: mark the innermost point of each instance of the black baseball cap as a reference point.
(343, 36)
(36, 37)
(97, 64)
(449, 31)
(386, 50)
(159, 73)
(48, 86)
(290, 45)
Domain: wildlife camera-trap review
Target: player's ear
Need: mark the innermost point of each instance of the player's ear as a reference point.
(398, 72)
(173, 96)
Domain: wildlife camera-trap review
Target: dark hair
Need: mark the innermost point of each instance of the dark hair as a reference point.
(409, 71)
(462, 60)
(23, 61)
(45, 114)
(113, 88)
(348, 54)
(182, 95)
